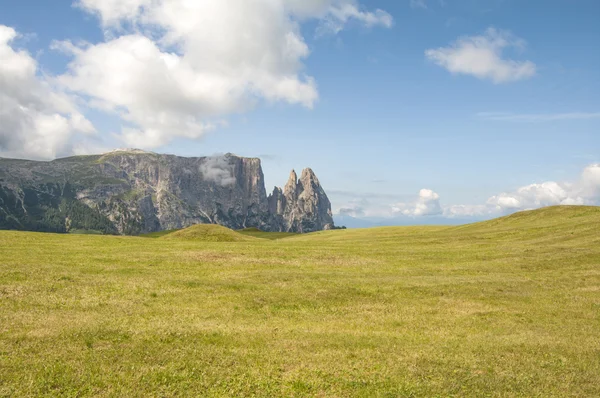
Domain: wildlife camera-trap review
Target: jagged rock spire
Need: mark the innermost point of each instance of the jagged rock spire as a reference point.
(302, 206)
(290, 187)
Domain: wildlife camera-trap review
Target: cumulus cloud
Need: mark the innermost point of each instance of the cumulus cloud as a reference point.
(482, 56)
(585, 191)
(428, 204)
(37, 120)
(219, 170)
(175, 68)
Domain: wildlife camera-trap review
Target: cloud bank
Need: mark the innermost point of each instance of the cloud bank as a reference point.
(166, 69)
(584, 191)
(176, 68)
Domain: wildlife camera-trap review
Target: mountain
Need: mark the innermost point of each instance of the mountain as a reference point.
(132, 192)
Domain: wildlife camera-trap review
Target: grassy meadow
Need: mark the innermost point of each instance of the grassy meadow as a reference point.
(505, 308)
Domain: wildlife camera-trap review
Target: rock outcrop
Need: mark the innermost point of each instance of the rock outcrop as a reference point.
(132, 192)
(302, 206)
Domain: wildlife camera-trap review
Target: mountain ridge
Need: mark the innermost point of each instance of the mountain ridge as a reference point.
(130, 191)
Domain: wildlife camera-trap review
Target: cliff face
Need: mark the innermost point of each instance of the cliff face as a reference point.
(132, 192)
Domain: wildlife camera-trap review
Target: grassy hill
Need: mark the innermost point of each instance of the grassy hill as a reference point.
(207, 233)
(509, 307)
(561, 220)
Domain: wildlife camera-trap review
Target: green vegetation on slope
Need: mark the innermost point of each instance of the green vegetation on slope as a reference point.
(505, 308)
(50, 208)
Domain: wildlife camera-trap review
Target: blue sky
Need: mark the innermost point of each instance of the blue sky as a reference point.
(382, 99)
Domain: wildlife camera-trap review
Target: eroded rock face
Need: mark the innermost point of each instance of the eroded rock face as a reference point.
(132, 192)
(302, 206)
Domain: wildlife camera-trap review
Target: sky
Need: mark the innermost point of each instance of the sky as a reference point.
(410, 111)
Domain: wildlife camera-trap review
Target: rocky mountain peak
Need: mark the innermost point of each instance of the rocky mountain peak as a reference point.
(309, 175)
(290, 187)
(308, 181)
(302, 206)
(293, 179)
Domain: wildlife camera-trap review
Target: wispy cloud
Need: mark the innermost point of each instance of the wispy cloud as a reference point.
(418, 4)
(537, 117)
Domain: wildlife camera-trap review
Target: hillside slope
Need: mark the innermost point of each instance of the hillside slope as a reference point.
(577, 224)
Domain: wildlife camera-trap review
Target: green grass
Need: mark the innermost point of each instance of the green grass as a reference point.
(506, 308)
(85, 232)
(159, 234)
(257, 233)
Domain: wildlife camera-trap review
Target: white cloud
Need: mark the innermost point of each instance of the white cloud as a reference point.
(338, 16)
(219, 170)
(482, 57)
(37, 120)
(532, 196)
(538, 117)
(428, 204)
(585, 191)
(174, 68)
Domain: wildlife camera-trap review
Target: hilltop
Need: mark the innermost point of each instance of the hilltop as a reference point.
(208, 233)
